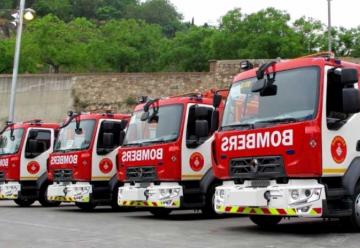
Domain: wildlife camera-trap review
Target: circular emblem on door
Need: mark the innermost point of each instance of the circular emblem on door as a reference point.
(196, 161)
(338, 149)
(33, 167)
(106, 165)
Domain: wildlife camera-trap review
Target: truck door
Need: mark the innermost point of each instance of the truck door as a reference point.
(196, 142)
(339, 127)
(109, 137)
(35, 152)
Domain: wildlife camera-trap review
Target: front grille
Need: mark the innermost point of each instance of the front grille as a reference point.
(2, 176)
(257, 167)
(141, 174)
(63, 175)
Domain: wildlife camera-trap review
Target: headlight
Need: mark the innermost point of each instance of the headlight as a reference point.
(163, 192)
(295, 194)
(304, 196)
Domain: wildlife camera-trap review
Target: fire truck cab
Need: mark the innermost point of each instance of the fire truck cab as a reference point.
(292, 148)
(24, 150)
(165, 161)
(82, 166)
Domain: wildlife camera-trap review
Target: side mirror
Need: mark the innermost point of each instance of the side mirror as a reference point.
(32, 145)
(202, 128)
(201, 112)
(351, 101)
(145, 116)
(78, 129)
(214, 121)
(33, 134)
(217, 100)
(108, 140)
(270, 90)
(259, 85)
(122, 137)
(349, 76)
(124, 124)
(108, 126)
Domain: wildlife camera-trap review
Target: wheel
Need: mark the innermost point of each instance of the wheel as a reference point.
(24, 202)
(114, 200)
(264, 221)
(160, 212)
(209, 209)
(43, 198)
(86, 206)
(353, 221)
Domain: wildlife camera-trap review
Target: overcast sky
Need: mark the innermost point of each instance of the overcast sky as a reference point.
(344, 12)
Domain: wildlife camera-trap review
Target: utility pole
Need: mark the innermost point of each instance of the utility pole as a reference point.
(329, 26)
(19, 21)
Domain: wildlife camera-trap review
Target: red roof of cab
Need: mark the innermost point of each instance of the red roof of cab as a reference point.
(297, 63)
(98, 116)
(206, 98)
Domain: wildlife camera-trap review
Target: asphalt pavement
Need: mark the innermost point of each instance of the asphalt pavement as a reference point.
(69, 227)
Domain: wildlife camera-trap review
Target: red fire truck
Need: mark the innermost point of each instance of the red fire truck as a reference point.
(82, 166)
(165, 161)
(297, 153)
(24, 150)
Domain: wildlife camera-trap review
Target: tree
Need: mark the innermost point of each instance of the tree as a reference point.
(311, 33)
(127, 46)
(188, 51)
(268, 35)
(60, 45)
(61, 8)
(114, 9)
(160, 12)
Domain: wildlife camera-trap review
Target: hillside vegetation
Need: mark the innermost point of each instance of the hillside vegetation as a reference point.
(133, 36)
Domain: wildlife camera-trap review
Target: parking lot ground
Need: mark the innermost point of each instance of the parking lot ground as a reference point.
(68, 226)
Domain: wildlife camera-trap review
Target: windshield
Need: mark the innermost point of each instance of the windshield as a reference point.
(8, 146)
(69, 140)
(163, 128)
(295, 100)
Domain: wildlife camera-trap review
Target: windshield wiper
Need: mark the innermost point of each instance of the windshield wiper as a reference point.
(283, 120)
(237, 126)
(70, 150)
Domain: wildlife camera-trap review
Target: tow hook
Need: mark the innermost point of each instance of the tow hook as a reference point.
(146, 194)
(267, 196)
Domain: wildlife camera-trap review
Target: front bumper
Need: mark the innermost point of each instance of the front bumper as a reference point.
(165, 195)
(10, 190)
(302, 198)
(73, 192)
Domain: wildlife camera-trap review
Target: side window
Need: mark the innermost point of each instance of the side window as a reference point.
(111, 136)
(342, 97)
(198, 126)
(38, 141)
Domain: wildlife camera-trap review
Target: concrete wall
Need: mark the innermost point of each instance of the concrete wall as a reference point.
(49, 97)
(46, 97)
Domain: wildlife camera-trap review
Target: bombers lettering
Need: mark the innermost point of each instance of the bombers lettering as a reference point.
(140, 155)
(258, 140)
(67, 159)
(4, 162)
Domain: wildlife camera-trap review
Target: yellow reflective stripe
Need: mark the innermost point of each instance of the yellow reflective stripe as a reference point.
(334, 171)
(273, 211)
(291, 211)
(258, 211)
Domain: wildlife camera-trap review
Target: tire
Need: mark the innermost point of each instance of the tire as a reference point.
(265, 221)
(86, 206)
(114, 200)
(209, 209)
(353, 221)
(24, 202)
(160, 212)
(43, 198)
